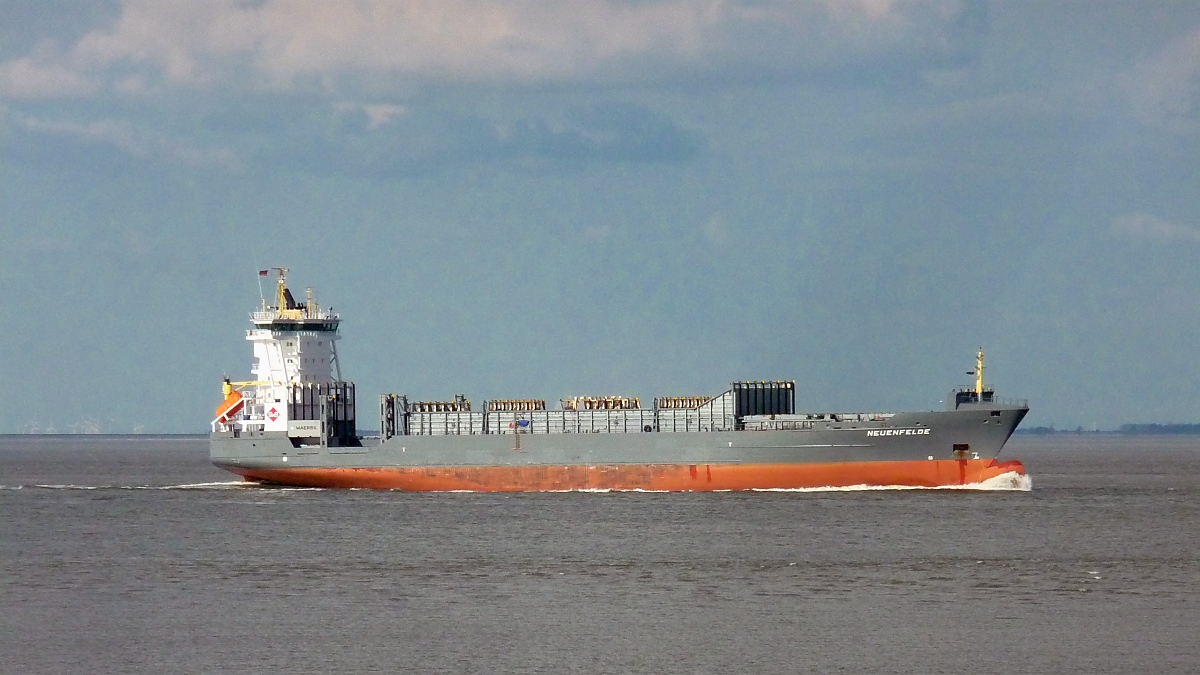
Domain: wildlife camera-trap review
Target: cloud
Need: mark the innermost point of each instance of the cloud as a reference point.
(1165, 89)
(380, 114)
(29, 77)
(611, 131)
(284, 44)
(1145, 226)
(71, 140)
(309, 133)
(387, 140)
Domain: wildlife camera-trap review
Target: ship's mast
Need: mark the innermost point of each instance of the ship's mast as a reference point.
(281, 293)
(979, 373)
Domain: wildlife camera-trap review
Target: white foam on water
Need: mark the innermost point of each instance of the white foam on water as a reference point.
(245, 485)
(287, 488)
(607, 490)
(1006, 481)
(1011, 481)
(591, 490)
(222, 485)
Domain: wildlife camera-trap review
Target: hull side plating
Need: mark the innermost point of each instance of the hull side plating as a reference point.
(868, 454)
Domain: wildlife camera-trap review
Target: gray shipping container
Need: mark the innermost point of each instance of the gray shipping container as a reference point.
(445, 423)
(716, 415)
(778, 422)
(304, 401)
(572, 421)
(540, 421)
(616, 421)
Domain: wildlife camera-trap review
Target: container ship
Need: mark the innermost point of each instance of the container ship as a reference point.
(295, 424)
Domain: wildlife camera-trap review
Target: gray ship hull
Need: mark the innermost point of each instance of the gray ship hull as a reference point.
(927, 449)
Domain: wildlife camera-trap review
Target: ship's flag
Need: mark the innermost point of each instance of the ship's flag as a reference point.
(263, 273)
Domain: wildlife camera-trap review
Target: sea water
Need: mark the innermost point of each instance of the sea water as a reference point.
(136, 555)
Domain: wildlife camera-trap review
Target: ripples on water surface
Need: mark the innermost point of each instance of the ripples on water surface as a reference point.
(136, 555)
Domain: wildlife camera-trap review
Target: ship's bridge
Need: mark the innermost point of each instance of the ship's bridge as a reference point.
(322, 321)
(288, 315)
(294, 343)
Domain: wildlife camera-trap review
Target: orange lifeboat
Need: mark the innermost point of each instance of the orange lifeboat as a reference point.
(230, 407)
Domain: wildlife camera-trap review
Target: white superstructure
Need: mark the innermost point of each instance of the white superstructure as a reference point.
(295, 351)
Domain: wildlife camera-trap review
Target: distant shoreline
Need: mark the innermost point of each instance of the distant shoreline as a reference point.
(167, 437)
(1123, 430)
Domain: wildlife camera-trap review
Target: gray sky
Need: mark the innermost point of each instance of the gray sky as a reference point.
(537, 198)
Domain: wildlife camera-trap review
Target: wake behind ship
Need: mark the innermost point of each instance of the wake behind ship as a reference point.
(295, 424)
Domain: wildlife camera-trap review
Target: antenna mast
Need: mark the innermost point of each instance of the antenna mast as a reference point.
(979, 372)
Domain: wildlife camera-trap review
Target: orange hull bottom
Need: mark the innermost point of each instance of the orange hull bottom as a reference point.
(658, 477)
